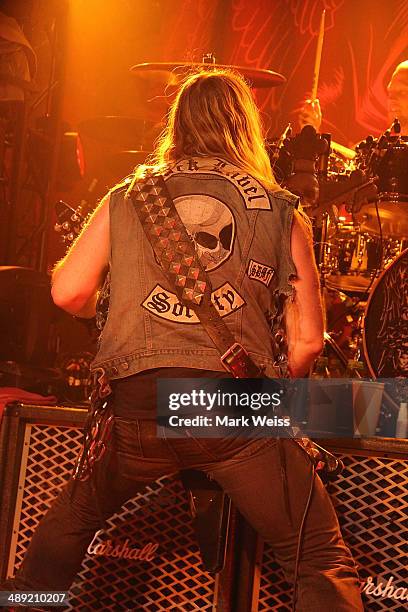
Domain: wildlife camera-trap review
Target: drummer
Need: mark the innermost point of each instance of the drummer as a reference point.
(397, 89)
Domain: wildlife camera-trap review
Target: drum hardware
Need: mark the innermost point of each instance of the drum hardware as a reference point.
(341, 366)
(350, 190)
(349, 339)
(324, 160)
(296, 162)
(36, 379)
(387, 159)
(378, 330)
(354, 367)
(353, 190)
(350, 259)
(343, 340)
(345, 312)
(347, 258)
(303, 163)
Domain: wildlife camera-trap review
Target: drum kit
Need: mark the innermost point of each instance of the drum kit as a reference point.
(358, 203)
(363, 261)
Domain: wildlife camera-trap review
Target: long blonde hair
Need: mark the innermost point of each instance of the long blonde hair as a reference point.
(214, 114)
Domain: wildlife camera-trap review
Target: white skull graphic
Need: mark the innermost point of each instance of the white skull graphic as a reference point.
(211, 225)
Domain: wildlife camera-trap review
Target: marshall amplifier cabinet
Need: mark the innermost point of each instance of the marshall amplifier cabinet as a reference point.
(147, 559)
(371, 500)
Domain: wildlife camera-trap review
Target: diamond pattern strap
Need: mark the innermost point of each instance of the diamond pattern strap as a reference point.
(171, 243)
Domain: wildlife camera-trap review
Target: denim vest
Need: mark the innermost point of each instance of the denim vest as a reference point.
(242, 234)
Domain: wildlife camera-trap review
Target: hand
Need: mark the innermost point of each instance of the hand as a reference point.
(311, 114)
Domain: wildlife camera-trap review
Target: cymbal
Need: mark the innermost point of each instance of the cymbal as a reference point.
(123, 132)
(391, 211)
(171, 73)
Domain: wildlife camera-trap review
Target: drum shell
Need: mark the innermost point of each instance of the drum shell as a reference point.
(385, 327)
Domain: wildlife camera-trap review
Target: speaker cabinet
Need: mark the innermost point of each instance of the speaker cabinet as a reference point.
(147, 559)
(371, 500)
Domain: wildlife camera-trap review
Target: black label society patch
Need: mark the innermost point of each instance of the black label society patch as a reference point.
(260, 272)
(166, 304)
(251, 190)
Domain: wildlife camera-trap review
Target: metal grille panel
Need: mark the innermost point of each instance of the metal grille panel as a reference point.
(371, 500)
(172, 580)
(47, 459)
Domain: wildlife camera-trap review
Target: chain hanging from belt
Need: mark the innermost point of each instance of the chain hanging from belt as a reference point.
(98, 427)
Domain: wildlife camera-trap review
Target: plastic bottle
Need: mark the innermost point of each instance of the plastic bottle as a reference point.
(401, 426)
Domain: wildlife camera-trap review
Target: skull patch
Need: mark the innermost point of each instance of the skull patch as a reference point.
(210, 224)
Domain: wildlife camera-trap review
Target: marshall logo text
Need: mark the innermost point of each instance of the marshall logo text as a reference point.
(384, 590)
(121, 550)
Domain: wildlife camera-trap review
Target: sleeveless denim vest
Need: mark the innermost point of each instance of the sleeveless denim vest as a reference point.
(242, 234)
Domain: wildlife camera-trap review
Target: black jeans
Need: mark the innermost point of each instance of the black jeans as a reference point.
(250, 471)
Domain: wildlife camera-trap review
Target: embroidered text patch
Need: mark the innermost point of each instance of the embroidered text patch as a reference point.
(260, 272)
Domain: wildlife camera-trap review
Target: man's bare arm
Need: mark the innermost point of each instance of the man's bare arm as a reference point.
(78, 276)
(304, 316)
